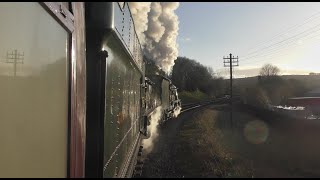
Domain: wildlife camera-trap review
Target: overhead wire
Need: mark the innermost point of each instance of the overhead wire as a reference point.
(285, 46)
(286, 31)
(279, 51)
(315, 29)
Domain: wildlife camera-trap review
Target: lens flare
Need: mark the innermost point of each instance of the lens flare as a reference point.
(256, 132)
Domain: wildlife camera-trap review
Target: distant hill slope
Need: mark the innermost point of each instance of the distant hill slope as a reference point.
(313, 93)
(312, 81)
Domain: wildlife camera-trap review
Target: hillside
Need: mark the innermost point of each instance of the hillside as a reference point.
(313, 81)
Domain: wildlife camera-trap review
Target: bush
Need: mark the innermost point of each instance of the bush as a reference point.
(256, 97)
(191, 97)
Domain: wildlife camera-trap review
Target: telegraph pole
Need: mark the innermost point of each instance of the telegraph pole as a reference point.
(231, 62)
(15, 58)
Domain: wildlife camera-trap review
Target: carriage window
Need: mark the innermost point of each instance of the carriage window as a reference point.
(33, 92)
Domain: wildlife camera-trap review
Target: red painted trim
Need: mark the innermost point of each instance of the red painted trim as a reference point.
(78, 94)
(307, 101)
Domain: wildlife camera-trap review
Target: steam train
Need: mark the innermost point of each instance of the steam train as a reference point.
(75, 99)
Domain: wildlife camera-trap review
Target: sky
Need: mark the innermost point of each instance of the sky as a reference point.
(285, 34)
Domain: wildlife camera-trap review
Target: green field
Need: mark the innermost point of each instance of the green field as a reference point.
(192, 97)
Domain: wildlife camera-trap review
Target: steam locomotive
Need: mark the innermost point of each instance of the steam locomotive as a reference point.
(78, 102)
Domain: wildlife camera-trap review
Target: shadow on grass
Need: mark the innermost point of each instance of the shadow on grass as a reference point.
(276, 145)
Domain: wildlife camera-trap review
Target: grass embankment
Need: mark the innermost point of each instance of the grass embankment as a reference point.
(261, 144)
(192, 97)
(202, 150)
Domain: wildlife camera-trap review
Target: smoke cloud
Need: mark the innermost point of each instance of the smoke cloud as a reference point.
(157, 27)
(154, 122)
(139, 11)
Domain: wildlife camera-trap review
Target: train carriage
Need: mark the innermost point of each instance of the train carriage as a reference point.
(113, 50)
(75, 92)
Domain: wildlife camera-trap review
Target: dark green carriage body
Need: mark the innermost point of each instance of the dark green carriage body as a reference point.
(122, 114)
(111, 30)
(119, 101)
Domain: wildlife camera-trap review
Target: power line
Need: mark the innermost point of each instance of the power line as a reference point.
(265, 59)
(276, 52)
(287, 39)
(278, 43)
(288, 30)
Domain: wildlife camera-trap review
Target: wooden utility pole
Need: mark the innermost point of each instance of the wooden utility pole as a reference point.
(15, 58)
(230, 61)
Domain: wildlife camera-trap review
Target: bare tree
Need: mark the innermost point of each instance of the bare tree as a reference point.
(269, 70)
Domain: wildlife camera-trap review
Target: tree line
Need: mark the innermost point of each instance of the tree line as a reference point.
(189, 75)
(272, 89)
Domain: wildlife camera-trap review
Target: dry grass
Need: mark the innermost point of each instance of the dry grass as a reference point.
(207, 146)
(204, 152)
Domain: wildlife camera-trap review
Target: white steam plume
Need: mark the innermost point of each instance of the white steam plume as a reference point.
(154, 122)
(158, 31)
(139, 11)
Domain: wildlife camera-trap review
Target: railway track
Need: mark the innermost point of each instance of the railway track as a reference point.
(185, 107)
(191, 106)
(161, 161)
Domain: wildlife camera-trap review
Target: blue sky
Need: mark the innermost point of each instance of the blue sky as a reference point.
(210, 30)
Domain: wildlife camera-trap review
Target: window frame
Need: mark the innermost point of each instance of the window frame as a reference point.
(57, 9)
(76, 79)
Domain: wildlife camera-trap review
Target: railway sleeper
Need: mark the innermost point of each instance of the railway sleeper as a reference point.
(137, 174)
